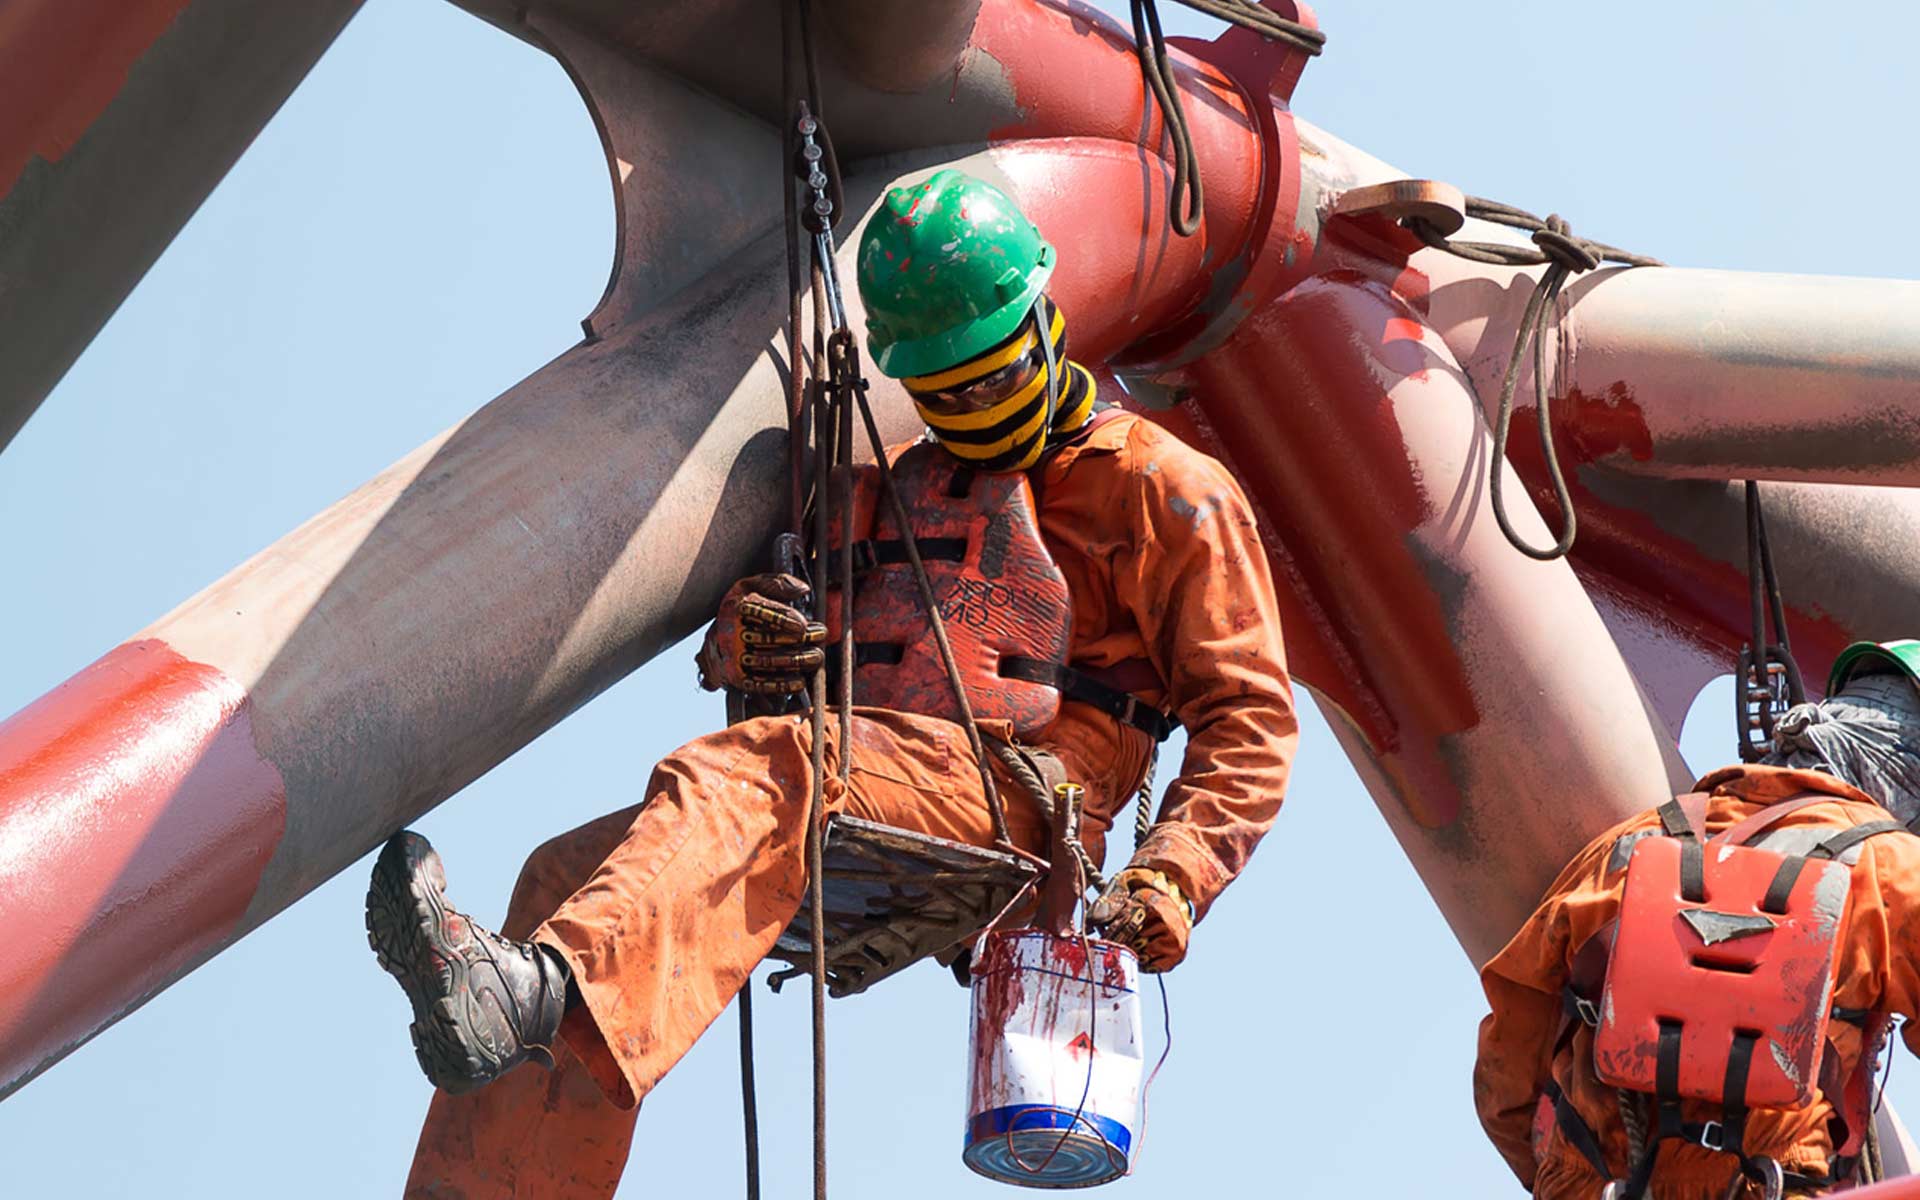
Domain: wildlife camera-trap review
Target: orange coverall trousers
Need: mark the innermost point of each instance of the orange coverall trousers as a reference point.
(664, 909)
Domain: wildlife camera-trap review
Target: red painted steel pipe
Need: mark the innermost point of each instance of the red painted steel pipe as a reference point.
(1682, 373)
(1500, 726)
(251, 743)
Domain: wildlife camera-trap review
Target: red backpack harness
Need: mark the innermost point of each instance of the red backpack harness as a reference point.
(1715, 983)
(1002, 599)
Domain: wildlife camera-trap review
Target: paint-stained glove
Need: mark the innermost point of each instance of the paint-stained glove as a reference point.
(1146, 912)
(760, 643)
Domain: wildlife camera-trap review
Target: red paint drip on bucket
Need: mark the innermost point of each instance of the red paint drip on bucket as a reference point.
(136, 818)
(1054, 1091)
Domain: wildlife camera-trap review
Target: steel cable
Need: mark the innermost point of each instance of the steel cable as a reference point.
(1563, 254)
(1185, 195)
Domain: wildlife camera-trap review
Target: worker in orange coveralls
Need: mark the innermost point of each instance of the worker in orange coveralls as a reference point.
(1563, 1077)
(627, 937)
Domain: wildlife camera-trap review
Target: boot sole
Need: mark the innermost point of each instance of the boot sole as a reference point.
(407, 928)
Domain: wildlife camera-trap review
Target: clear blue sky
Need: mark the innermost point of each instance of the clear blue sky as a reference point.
(427, 220)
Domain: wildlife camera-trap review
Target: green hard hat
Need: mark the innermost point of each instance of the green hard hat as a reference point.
(948, 269)
(1865, 658)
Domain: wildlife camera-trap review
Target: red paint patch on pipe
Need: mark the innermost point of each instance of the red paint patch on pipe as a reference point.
(61, 64)
(136, 818)
(1703, 595)
(1606, 424)
(1335, 469)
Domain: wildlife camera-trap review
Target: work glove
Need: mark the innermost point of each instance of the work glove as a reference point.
(760, 643)
(1146, 912)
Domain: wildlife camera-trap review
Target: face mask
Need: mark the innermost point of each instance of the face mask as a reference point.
(1867, 734)
(1011, 432)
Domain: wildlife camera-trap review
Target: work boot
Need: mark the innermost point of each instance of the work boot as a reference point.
(482, 1004)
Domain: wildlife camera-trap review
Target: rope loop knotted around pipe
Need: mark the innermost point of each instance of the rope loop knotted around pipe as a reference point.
(1185, 195)
(1564, 254)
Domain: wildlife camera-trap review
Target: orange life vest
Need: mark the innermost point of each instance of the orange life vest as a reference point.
(1718, 984)
(1002, 599)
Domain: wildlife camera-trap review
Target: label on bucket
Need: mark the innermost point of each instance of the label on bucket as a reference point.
(1057, 1051)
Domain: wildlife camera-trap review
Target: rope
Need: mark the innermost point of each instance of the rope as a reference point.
(1563, 254)
(749, 1106)
(1143, 801)
(1635, 1119)
(1185, 195)
(802, 385)
(1756, 696)
(1027, 777)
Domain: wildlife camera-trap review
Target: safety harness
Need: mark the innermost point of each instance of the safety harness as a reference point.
(1714, 984)
(1005, 602)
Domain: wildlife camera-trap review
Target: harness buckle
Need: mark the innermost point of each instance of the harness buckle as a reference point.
(1713, 1136)
(1587, 1011)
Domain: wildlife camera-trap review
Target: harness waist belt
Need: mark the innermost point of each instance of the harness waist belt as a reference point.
(1083, 688)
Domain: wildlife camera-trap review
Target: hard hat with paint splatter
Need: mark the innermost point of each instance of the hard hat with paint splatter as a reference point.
(1869, 658)
(949, 267)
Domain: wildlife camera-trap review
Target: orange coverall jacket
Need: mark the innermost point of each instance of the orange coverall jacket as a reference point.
(1876, 967)
(663, 910)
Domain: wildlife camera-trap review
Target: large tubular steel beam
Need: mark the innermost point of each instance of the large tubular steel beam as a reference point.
(1691, 374)
(117, 118)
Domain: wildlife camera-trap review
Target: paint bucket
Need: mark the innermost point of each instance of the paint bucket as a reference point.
(1057, 1050)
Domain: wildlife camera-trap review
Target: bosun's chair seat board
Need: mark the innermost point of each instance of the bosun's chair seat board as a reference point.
(893, 898)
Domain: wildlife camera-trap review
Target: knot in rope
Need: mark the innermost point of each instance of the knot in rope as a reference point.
(1561, 248)
(1563, 254)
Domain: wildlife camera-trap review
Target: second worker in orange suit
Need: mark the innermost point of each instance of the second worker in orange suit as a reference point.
(1695, 1009)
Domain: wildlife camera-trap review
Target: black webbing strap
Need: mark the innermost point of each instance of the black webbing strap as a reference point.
(1666, 1080)
(1693, 858)
(1675, 821)
(1082, 688)
(1575, 1010)
(1775, 901)
(1789, 872)
(1575, 1129)
(1666, 1083)
(1846, 840)
(1693, 871)
(869, 553)
(1733, 1093)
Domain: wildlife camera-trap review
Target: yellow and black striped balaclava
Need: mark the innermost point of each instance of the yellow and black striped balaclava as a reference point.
(1013, 434)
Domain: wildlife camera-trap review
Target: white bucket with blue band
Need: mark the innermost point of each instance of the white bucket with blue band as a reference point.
(1054, 1089)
